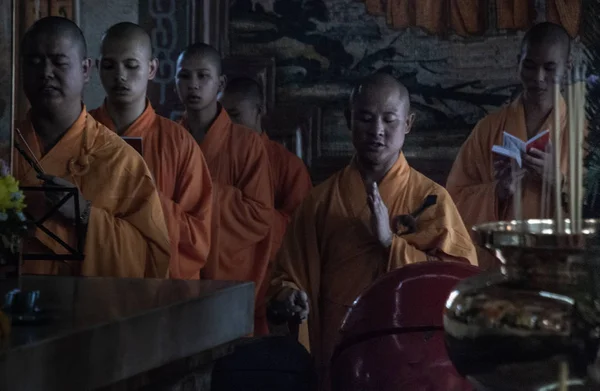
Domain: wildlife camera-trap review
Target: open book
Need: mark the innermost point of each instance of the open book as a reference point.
(513, 147)
(135, 142)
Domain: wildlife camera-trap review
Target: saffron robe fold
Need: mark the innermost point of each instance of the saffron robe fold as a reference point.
(291, 184)
(184, 185)
(243, 205)
(471, 181)
(330, 253)
(126, 234)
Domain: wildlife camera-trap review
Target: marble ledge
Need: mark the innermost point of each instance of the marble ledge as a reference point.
(101, 330)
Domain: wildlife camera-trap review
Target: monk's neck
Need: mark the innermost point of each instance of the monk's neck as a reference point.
(200, 121)
(50, 127)
(374, 171)
(123, 115)
(535, 115)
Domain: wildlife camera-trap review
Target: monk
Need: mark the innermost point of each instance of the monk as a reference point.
(121, 217)
(346, 233)
(482, 183)
(243, 101)
(173, 156)
(239, 168)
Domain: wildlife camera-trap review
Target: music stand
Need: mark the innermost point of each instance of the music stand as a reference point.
(74, 254)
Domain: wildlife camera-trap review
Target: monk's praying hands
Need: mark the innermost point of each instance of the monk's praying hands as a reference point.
(380, 219)
(67, 210)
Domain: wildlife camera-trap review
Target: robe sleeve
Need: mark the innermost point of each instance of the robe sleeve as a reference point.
(298, 265)
(293, 185)
(247, 207)
(440, 230)
(125, 246)
(188, 215)
(470, 182)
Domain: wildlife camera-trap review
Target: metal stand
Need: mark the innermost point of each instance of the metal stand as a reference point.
(74, 254)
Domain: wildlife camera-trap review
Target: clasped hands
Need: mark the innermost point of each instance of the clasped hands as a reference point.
(66, 210)
(534, 162)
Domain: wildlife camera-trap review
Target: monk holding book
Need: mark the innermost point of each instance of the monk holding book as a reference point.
(482, 183)
(358, 224)
(173, 156)
(62, 145)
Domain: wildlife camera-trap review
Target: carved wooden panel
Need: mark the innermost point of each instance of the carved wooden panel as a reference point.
(261, 69)
(173, 25)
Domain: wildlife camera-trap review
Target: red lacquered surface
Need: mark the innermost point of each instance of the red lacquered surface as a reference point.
(393, 338)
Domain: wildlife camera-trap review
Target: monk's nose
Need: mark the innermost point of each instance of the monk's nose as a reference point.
(541, 74)
(48, 69)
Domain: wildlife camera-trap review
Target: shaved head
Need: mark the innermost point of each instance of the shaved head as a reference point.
(204, 51)
(55, 27)
(543, 60)
(380, 83)
(245, 87)
(243, 101)
(547, 33)
(127, 32)
(379, 118)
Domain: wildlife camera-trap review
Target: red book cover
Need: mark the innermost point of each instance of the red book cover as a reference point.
(539, 142)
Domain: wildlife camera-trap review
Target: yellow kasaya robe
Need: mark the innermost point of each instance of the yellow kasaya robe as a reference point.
(330, 253)
(126, 234)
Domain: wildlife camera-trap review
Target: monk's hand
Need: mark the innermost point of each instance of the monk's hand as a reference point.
(294, 304)
(380, 218)
(540, 164)
(506, 178)
(67, 210)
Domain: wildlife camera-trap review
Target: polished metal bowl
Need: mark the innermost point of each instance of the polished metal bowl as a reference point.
(541, 307)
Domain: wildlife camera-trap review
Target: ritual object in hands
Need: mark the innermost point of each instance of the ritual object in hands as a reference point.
(12, 222)
(512, 147)
(534, 324)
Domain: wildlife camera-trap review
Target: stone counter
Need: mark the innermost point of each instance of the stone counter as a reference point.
(102, 331)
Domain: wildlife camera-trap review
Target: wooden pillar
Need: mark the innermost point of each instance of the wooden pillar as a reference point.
(7, 77)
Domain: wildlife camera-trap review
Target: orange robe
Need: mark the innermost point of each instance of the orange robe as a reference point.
(184, 186)
(291, 184)
(126, 235)
(242, 208)
(471, 181)
(330, 253)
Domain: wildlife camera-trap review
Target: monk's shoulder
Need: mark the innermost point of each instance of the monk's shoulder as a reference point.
(490, 122)
(422, 186)
(246, 142)
(115, 154)
(285, 157)
(173, 135)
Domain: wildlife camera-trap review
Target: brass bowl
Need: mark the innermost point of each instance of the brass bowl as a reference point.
(534, 251)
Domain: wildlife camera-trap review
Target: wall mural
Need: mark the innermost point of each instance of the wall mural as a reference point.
(323, 47)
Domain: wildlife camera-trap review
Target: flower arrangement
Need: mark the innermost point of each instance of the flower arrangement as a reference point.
(12, 202)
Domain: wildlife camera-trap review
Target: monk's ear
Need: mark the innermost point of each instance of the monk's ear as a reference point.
(86, 65)
(97, 63)
(153, 68)
(222, 84)
(348, 116)
(409, 122)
